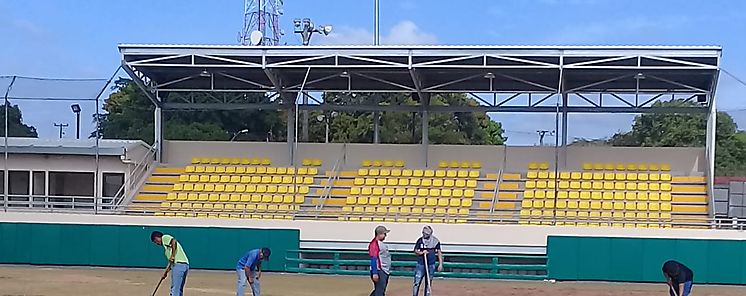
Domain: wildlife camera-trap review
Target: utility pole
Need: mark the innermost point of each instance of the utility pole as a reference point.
(62, 127)
(543, 133)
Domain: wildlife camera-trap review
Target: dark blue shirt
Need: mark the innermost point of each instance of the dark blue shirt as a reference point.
(251, 260)
(419, 246)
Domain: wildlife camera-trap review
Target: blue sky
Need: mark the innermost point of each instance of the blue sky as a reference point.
(78, 38)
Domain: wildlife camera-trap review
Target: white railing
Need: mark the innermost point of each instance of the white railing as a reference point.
(137, 177)
(336, 169)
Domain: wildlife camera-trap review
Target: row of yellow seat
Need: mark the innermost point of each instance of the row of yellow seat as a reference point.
(411, 192)
(405, 211)
(459, 164)
(232, 160)
(229, 207)
(240, 188)
(597, 205)
(600, 185)
(401, 219)
(627, 167)
(418, 173)
(250, 170)
(597, 176)
(235, 197)
(246, 179)
(632, 215)
(223, 215)
(597, 195)
(415, 182)
(596, 218)
(409, 201)
(382, 163)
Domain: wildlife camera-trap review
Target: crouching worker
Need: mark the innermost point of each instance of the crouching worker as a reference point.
(678, 277)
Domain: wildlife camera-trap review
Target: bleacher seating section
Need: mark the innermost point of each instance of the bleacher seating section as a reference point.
(239, 188)
(618, 195)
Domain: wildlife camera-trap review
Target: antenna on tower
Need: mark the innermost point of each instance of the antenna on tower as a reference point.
(261, 22)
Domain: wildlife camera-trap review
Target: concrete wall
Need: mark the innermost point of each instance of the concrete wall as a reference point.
(682, 160)
(333, 231)
(65, 163)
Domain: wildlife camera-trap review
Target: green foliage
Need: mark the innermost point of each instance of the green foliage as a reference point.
(688, 130)
(16, 127)
(129, 115)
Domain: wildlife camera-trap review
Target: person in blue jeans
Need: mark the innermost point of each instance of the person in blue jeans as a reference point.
(678, 277)
(249, 269)
(178, 263)
(426, 247)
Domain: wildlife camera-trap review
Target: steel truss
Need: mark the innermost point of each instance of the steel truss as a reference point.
(549, 79)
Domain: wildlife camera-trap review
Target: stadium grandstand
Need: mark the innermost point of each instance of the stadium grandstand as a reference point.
(525, 194)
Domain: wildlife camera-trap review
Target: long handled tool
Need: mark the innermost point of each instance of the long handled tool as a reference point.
(161, 281)
(427, 276)
(158, 286)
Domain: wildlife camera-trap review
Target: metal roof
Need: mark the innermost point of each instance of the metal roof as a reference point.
(168, 72)
(68, 146)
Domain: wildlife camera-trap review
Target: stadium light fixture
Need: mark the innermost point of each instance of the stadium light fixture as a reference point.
(76, 109)
(204, 73)
(235, 135)
(306, 28)
(639, 76)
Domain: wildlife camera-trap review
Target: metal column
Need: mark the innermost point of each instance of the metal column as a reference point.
(158, 138)
(376, 127)
(305, 120)
(425, 127)
(710, 143)
(564, 130)
(291, 132)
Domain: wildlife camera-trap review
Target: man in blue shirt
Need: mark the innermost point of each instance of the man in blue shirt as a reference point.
(249, 269)
(426, 248)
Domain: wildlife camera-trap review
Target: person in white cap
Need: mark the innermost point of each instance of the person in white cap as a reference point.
(380, 261)
(426, 248)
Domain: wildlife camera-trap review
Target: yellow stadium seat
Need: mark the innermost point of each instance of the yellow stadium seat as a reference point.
(654, 186)
(607, 195)
(562, 194)
(587, 166)
(574, 195)
(654, 207)
(642, 167)
(528, 194)
(543, 175)
(596, 195)
(585, 185)
(587, 176)
(665, 186)
(426, 182)
(631, 167)
(575, 185)
(422, 192)
(631, 186)
(631, 176)
(565, 175)
(665, 167)
(572, 204)
(642, 206)
(576, 176)
(655, 177)
(585, 195)
(666, 207)
(564, 185)
(532, 175)
(540, 194)
(429, 173)
(411, 191)
(630, 195)
(666, 196)
(530, 184)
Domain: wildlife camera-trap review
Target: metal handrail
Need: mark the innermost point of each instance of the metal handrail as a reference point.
(137, 178)
(326, 191)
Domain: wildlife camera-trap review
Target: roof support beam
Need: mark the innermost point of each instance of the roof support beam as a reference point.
(149, 92)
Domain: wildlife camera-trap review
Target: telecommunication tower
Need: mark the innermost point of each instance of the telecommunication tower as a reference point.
(261, 23)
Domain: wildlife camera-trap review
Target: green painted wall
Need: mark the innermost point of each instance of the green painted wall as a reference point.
(130, 246)
(640, 259)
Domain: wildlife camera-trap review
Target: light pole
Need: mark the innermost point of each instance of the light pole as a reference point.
(76, 109)
(326, 119)
(306, 28)
(243, 131)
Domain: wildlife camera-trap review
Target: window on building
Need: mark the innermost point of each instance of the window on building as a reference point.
(18, 182)
(112, 183)
(39, 183)
(70, 184)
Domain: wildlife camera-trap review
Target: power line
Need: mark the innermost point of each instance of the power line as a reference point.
(734, 77)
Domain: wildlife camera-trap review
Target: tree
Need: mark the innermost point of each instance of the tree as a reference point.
(688, 130)
(128, 114)
(471, 128)
(16, 127)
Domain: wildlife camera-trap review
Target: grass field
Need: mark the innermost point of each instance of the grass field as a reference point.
(25, 280)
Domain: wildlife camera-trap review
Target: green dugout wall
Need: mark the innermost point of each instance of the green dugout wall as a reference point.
(130, 246)
(640, 259)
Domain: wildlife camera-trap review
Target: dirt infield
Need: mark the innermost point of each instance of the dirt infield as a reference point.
(24, 280)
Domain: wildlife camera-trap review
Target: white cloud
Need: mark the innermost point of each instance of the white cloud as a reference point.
(404, 32)
(637, 28)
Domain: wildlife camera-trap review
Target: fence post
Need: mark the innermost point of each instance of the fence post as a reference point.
(336, 262)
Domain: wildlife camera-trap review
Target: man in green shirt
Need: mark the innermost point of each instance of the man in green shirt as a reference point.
(177, 261)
